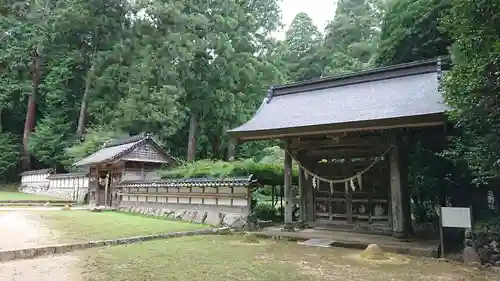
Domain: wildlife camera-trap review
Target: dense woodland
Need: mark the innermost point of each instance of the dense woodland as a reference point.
(75, 73)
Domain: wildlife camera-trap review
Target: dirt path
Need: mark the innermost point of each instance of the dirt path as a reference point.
(56, 268)
(20, 229)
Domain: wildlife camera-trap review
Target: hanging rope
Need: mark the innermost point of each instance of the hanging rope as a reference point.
(350, 180)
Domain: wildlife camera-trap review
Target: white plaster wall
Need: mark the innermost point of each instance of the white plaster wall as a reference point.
(183, 196)
(34, 183)
(72, 187)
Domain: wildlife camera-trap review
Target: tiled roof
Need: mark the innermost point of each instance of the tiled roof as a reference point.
(116, 149)
(67, 175)
(127, 140)
(193, 182)
(107, 154)
(37, 172)
(394, 92)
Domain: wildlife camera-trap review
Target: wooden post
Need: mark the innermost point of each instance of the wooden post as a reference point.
(106, 190)
(302, 196)
(310, 205)
(348, 202)
(400, 213)
(288, 189)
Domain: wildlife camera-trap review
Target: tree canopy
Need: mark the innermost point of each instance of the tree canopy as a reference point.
(74, 74)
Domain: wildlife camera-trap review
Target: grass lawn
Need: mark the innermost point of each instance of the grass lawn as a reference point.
(14, 195)
(220, 258)
(86, 225)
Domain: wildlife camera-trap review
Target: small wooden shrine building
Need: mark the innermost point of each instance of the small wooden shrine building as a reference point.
(134, 158)
(349, 135)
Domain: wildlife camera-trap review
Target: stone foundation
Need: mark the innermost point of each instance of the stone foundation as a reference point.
(217, 216)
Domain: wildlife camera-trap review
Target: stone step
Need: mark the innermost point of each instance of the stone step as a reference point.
(324, 243)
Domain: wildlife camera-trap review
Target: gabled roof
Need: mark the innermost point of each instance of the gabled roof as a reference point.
(37, 172)
(67, 175)
(114, 150)
(396, 96)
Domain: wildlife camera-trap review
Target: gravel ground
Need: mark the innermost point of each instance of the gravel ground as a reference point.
(55, 268)
(22, 229)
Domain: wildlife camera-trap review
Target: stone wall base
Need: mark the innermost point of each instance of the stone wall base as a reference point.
(63, 193)
(212, 215)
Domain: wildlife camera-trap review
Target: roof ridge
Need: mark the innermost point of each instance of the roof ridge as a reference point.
(122, 141)
(370, 75)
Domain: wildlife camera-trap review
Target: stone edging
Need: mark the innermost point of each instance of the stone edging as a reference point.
(29, 253)
(52, 201)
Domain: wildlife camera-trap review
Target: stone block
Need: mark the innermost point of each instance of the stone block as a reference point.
(63, 248)
(80, 246)
(190, 216)
(471, 256)
(200, 217)
(45, 251)
(234, 220)
(221, 222)
(25, 253)
(7, 255)
(180, 215)
(95, 244)
(213, 217)
(170, 214)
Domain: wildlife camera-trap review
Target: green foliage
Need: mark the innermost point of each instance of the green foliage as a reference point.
(268, 174)
(411, 31)
(265, 212)
(351, 37)
(94, 139)
(51, 138)
(472, 86)
(489, 226)
(267, 168)
(301, 46)
(10, 151)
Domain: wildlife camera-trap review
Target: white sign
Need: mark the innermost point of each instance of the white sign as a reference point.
(456, 217)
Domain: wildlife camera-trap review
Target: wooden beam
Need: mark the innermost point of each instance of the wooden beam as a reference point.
(342, 152)
(338, 142)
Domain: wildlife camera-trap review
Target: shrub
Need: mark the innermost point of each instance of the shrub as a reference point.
(265, 212)
(487, 231)
(267, 174)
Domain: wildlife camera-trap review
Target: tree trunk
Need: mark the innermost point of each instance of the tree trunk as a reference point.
(1, 119)
(193, 126)
(82, 118)
(231, 149)
(29, 123)
(215, 147)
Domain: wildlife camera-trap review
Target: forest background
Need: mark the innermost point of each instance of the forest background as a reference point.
(76, 73)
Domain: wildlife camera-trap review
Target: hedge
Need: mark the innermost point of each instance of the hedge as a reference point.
(267, 174)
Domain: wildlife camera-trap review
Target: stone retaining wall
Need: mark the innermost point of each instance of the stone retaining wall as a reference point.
(64, 248)
(216, 216)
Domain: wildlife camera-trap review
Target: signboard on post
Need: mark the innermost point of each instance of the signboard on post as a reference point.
(456, 217)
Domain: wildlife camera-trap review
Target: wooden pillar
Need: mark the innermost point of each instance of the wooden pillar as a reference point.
(400, 212)
(302, 196)
(288, 216)
(310, 205)
(106, 189)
